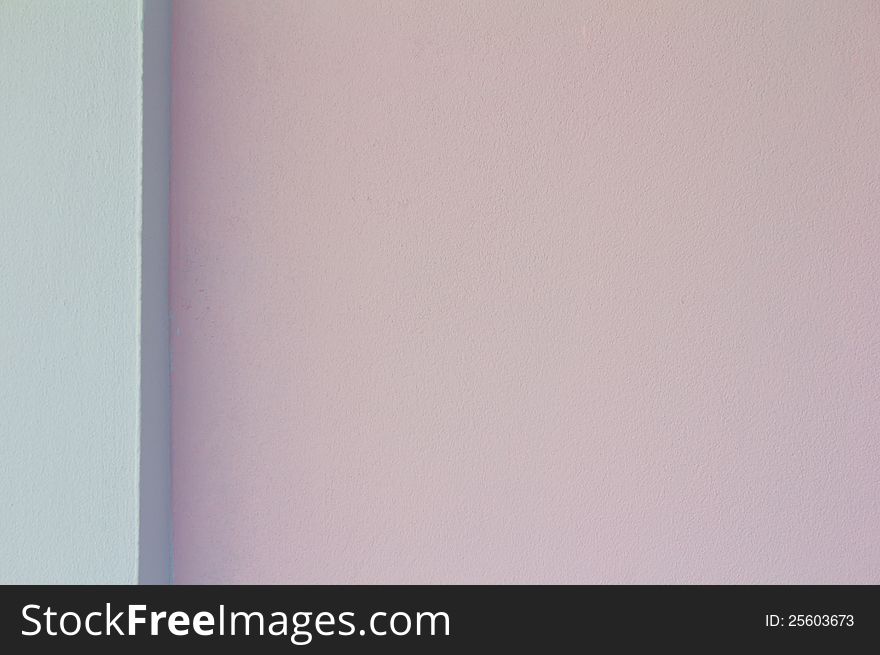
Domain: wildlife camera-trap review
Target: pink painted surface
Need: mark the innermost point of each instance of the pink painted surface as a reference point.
(526, 292)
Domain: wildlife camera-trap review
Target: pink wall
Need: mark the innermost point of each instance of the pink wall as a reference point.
(526, 292)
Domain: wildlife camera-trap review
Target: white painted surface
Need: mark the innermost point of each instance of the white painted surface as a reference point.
(70, 287)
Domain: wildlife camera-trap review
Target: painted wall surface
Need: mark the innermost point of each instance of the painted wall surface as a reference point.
(516, 292)
(70, 227)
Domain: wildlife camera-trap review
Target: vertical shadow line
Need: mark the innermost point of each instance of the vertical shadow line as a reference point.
(154, 530)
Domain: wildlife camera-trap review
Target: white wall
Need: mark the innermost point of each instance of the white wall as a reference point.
(70, 289)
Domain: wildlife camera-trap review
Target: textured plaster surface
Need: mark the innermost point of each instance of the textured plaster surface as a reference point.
(515, 292)
(70, 229)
